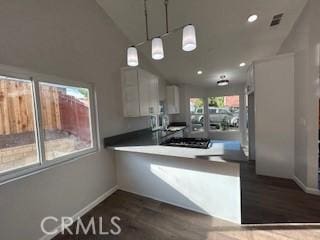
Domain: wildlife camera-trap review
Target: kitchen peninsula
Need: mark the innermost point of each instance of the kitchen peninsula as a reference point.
(202, 180)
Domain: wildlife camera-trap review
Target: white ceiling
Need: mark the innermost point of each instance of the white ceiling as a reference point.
(224, 37)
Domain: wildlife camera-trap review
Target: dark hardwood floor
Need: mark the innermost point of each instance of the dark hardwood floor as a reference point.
(275, 200)
(272, 208)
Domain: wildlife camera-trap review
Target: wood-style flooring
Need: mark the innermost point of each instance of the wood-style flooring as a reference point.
(272, 209)
(270, 206)
(275, 200)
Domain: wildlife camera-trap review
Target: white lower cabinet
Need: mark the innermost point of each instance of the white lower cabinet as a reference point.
(140, 92)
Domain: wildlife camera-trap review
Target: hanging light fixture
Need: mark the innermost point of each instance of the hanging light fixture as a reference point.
(132, 57)
(223, 81)
(157, 49)
(189, 41)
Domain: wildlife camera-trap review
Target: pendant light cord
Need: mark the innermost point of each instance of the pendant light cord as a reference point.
(146, 17)
(167, 33)
(167, 21)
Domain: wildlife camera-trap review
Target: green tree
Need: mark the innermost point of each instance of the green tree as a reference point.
(216, 102)
(84, 92)
(198, 103)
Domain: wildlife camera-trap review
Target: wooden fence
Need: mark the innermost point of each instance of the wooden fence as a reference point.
(50, 108)
(16, 114)
(74, 117)
(59, 110)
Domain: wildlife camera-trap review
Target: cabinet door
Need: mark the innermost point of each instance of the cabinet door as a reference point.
(144, 92)
(149, 93)
(176, 100)
(274, 111)
(154, 95)
(130, 92)
(173, 101)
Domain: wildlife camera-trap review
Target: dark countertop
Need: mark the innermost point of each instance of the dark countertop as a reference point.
(144, 137)
(147, 141)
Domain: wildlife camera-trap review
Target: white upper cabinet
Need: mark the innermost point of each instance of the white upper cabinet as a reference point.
(154, 99)
(144, 85)
(130, 92)
(173, 100)
(140, 92)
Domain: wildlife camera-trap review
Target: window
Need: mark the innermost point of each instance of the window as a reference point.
(42, 123)
(65, 113)
(224, 113)
(197, 114)
(17, 125)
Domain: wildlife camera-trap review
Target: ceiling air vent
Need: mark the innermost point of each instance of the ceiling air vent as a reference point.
(276, 20)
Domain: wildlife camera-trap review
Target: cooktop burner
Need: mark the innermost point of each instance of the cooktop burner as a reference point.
(187, 142)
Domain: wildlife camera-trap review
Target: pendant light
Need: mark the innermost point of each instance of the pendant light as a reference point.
(132, 57)
(157, 49)
(189, 42)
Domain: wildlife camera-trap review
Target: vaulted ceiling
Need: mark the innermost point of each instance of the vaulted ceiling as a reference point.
(224, 37)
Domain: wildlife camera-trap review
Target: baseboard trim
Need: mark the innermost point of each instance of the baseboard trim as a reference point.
(306, 189)
(83, 211)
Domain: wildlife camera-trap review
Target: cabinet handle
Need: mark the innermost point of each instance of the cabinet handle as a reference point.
(150, 109)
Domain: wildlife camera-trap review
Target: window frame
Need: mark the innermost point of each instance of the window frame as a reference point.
(43, 164)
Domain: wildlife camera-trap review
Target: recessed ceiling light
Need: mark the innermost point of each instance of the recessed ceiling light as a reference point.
(199, 72)
(242, 64)
(252, 18)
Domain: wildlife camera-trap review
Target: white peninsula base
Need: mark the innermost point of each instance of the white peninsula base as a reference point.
(202, 185)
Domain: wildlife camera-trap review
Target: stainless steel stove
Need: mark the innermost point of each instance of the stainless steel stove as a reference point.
(187, 142)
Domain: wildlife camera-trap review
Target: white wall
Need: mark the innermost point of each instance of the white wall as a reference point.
(76, 40)
(303, 40)
(274, 116)
(190, 91)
